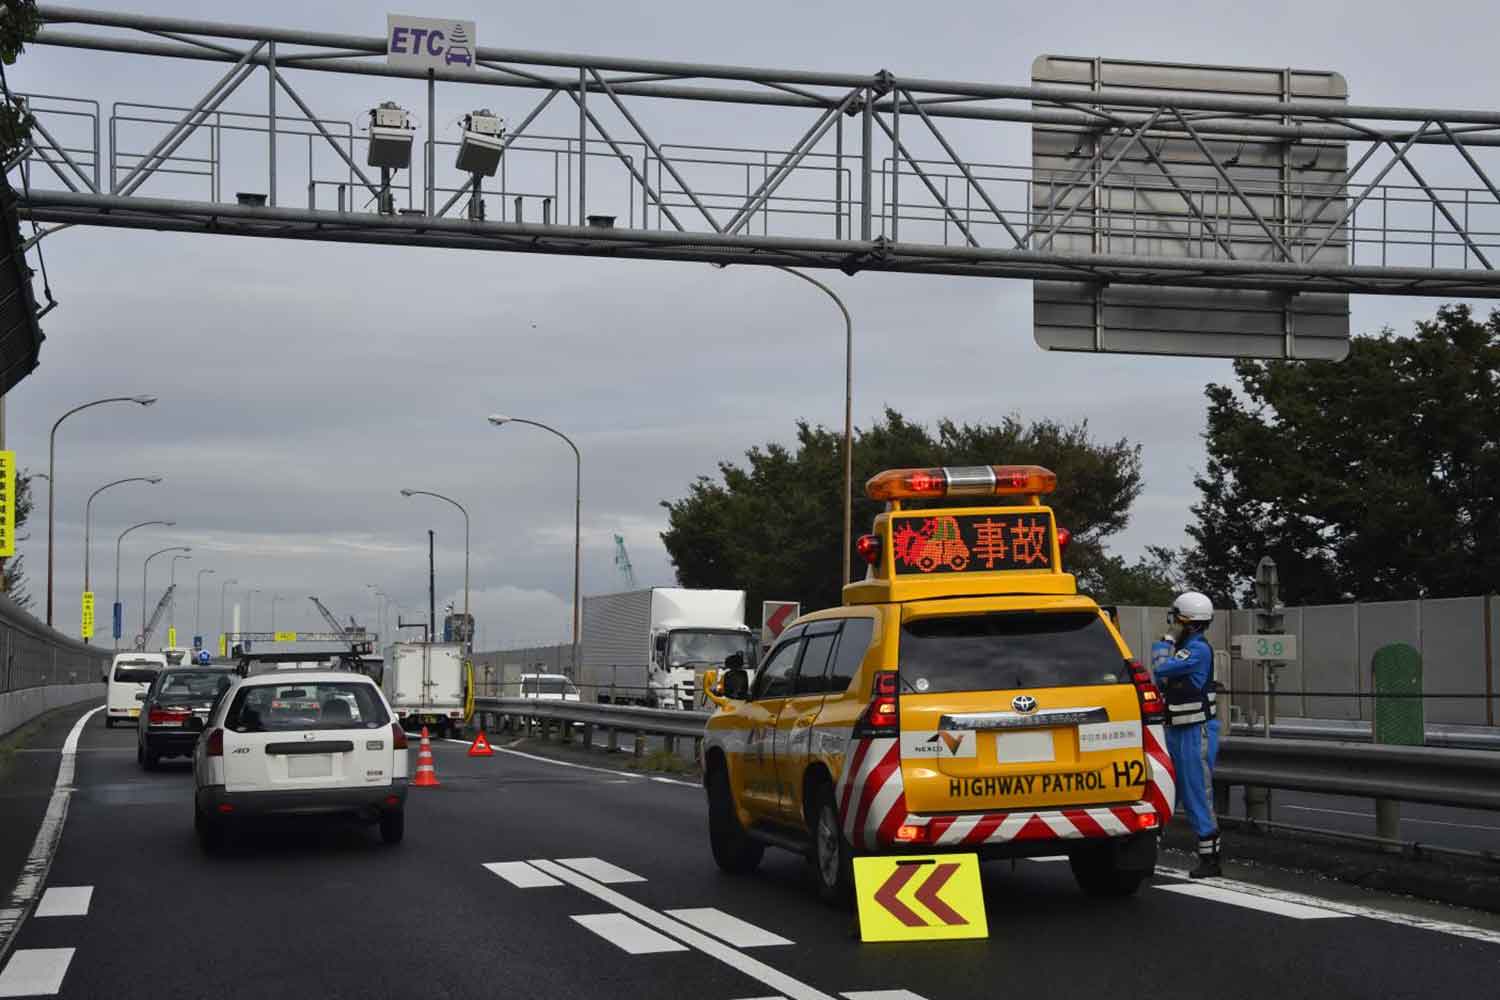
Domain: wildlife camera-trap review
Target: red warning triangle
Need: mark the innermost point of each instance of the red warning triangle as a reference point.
(481, 746)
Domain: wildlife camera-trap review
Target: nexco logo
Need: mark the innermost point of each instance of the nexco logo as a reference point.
(429, 43)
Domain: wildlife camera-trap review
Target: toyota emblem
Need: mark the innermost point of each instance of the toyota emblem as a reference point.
(1023, 703)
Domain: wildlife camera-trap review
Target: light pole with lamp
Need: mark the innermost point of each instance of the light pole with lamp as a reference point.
(274, 599)
(145, 570)
(173, 620)
(52, 477)
(223, 593)
(144, 524)
(88, 520)
(500, 420)
(250, 609)
(198, 605)
(468, 622)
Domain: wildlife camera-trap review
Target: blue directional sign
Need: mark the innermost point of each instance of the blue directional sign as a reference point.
(197, 642)
(119, 616)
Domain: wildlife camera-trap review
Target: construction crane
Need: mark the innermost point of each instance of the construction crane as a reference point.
(333, 623)
(156, 617)
(622, 563)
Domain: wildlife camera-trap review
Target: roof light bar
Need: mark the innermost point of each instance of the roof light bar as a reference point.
(961, 481)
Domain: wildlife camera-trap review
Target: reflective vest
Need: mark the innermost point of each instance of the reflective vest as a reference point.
(1189, 688)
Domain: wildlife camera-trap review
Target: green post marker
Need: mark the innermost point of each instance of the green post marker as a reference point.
(1397, 670)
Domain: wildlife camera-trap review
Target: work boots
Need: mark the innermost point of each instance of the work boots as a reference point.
(1208, 858)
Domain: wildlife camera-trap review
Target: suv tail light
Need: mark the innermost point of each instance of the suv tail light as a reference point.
(1152, 707)
(215, 746)
(168, 716)
(883, 716)
(398, 736)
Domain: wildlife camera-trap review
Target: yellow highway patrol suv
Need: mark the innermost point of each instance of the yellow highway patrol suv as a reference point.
(965, 697)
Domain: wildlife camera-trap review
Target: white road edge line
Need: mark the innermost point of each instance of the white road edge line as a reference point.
(35, 972)
(39, 862)
(1253, 901)
(581, 767)
(1350, 909)
(793, 989)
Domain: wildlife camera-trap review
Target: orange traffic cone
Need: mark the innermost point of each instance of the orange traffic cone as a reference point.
(426, 776)
(481, 746)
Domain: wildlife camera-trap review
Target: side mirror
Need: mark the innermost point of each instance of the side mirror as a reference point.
(734, 661)
(736, 685)
(140, 696)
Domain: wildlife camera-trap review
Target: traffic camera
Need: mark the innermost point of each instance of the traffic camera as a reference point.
(391, 133)
(479, 149)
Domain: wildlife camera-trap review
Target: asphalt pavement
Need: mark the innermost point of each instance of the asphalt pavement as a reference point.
(601, 885)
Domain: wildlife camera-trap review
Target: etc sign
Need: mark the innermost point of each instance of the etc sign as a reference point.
(429, 42)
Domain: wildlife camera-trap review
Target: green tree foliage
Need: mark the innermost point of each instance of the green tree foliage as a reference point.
(19, 21)
(1375, 478)
(773, 526)
(13, 573)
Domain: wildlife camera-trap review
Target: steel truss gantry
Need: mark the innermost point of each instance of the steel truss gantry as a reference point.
(874, 179)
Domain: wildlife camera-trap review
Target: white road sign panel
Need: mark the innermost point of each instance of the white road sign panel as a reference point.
(429, 42)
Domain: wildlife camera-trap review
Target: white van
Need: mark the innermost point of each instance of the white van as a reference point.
(129, 675)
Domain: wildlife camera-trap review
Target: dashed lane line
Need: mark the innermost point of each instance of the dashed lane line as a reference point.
(727, 927)
(521, 875)
(39, 862)
(65, 901)
(1250, 901)
(600, 870)
(630, 936)
(35, 972)
(1348, 909)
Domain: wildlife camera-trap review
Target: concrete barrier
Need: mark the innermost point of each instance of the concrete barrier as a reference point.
(19, 707)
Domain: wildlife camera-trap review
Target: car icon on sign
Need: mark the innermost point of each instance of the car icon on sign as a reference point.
(459, 54)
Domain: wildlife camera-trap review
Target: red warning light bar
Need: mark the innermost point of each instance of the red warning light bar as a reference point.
(961, 481)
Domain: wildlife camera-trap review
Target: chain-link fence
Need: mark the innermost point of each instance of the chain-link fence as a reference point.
(33, 655)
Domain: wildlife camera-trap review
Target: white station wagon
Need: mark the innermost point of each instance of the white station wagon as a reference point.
(303, 742)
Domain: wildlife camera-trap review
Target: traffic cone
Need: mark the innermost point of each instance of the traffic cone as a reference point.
(481, 746)
(426, 776)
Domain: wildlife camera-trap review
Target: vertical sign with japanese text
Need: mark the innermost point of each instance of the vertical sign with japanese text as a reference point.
(86, 627)
(7, 504)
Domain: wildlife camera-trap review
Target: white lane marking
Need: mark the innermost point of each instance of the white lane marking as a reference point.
(65, 901)
(728, 928)
(1348, 909)
(584, 767)
(628, 935)
(792, 989)
(600, 870)
(1050, 857)
(39, 861)
(1404, 819)
(35, 972)
(521, 875)
(1282, 908)
(882, 995)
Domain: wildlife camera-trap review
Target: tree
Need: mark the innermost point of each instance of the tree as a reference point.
(19, 20)
(13, 574)
(773, 526)
(1373, 479)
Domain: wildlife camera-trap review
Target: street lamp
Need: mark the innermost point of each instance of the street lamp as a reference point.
(468, 622)
(143, 524)
(499, 420)
(174, 589)
(145, 569)
(250, 610)
(52, 476)
(223, 592)
(88, 518)
(198, 604)
(848, 415)
(274, 599)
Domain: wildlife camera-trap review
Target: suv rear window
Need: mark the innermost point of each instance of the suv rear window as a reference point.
(1010, 649)
(269, 708)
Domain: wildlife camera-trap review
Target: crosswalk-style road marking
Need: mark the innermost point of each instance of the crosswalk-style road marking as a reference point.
(65, 901)
(34, 972)
(628, 935)
(600, 870)
(521, 875)
(728, 928)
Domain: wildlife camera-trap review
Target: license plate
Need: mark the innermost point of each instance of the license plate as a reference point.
(315, 766)
(1033, 747)
(135, 713)
(430, 720)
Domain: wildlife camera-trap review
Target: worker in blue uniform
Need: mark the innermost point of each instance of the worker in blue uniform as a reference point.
(1184, 665)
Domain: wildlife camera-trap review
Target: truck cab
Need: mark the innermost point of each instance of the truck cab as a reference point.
(682, 655)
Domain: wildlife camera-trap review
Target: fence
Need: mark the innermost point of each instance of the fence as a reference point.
(41, 669)
(1459, 639)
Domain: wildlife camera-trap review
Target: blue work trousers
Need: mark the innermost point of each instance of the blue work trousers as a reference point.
(1194, 750)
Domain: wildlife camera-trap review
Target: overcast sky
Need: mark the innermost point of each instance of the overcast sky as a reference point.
(302, 385)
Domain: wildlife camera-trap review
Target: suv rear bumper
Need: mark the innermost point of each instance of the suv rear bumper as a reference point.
(368, 801)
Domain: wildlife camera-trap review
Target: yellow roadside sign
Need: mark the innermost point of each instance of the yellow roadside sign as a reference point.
(223, 643)
(920, 897)
(286, 636)
(171, 636)
(86, 629)
(7, 504)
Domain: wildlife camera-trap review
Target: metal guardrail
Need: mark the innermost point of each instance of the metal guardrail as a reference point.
(1431, 775)
(1354, 731)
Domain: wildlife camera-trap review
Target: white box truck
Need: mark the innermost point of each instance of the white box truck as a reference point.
(428, 684)
(650, 647)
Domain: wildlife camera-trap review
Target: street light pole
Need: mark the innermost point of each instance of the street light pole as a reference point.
(223, 592)
(88, 519)
(173, 619)
(500, 420)
(145, 569)
(198, 604)
(118, 541)
(52, 477)
(250, 610)
(274, 599)
(848, 416)
(468, 636)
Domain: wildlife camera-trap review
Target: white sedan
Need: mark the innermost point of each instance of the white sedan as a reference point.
(300, 742)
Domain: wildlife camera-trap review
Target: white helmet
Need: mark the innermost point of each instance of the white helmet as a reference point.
(1192, 607)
